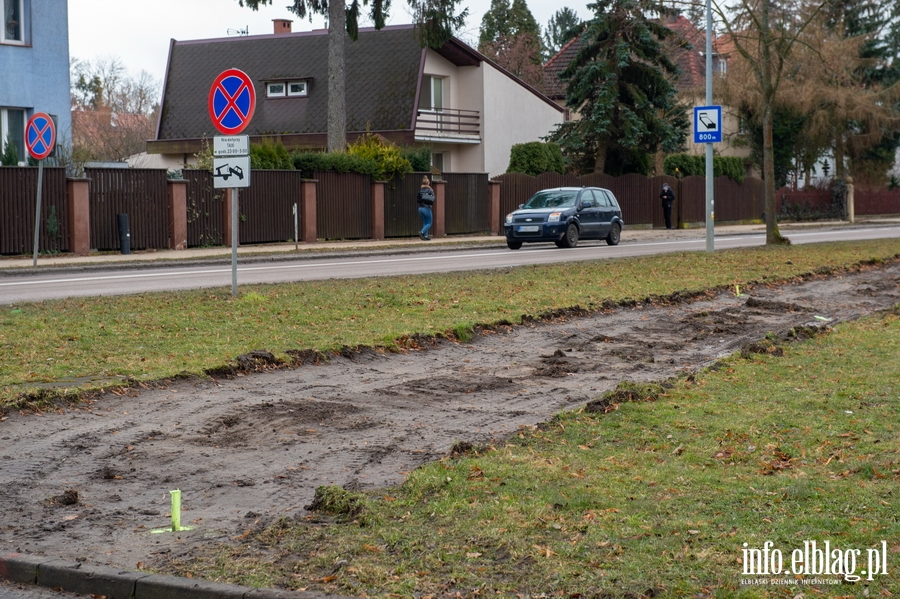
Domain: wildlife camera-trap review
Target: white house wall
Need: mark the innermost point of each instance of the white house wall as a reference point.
(510, 114)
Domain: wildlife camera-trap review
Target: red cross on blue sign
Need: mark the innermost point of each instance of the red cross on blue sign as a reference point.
(40, 135)
(232, 100)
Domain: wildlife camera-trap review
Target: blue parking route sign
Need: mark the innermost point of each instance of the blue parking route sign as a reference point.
(707, 124)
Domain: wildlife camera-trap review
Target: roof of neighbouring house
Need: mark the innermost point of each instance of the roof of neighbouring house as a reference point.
(382, 74)
(690, 62)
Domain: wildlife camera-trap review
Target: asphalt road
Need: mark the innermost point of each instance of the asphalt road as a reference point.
(121, 281)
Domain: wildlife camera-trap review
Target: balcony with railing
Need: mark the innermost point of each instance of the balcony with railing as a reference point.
(448, 125)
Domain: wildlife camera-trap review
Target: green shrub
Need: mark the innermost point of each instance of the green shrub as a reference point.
(386, 155)
(9, 156)
(685, 165)
(419, 158)
(341, 162)
(536, 157)
(269, 155)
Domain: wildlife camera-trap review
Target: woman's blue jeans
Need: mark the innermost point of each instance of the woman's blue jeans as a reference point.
(425, 215)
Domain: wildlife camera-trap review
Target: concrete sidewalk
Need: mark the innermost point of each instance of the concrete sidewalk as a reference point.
(286, 251)
(114, 583)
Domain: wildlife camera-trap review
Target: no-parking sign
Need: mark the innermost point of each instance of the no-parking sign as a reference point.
(232, 100)
(40, 135)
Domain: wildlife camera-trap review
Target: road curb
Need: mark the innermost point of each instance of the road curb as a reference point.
(115, 583)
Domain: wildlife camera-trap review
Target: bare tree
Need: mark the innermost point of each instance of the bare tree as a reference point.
(764, 33)
(520, 55)
(114, 114)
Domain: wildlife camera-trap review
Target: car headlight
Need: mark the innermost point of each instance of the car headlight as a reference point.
(554, 217)
(509, 218)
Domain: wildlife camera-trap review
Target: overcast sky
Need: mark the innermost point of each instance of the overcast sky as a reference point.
(138, 32)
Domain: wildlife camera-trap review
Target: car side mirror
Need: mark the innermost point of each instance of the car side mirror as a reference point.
(521, 206)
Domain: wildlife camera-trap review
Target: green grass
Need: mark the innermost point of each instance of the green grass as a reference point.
(68, 347)
(658, 493)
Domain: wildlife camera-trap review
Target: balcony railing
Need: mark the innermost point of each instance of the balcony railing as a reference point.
(448, 122)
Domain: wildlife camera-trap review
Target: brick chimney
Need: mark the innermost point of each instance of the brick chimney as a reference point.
(282, 26)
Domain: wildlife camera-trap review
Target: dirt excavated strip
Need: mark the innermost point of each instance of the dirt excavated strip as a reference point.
(90, 482)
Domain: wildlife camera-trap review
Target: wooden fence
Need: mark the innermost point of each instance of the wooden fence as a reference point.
(344, 205)
(139, 193)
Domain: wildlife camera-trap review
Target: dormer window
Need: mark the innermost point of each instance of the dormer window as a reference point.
(282, 89)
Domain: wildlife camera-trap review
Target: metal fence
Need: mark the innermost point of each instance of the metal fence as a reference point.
(343, 205)
(466, 209)
(638, 195)
(204, 209)
(139, 193)
(401, 216)
(266, 208)
(18, 194)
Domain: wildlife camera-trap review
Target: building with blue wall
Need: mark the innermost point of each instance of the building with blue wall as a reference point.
(34, 68)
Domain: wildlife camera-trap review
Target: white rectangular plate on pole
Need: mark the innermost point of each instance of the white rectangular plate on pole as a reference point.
(231, 145)
(231, 172)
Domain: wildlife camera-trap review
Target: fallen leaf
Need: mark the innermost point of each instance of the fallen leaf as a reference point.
(473, 554)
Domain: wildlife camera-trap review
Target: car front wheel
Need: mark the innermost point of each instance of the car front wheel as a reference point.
(570, 239)
(513, 245)
(614, 234)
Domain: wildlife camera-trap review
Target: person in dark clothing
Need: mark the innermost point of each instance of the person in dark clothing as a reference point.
(425, 200)
(668, 197)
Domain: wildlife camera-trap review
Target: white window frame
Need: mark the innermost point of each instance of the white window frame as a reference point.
(276, 94)
(434, 84)
(3, 38)
(439, 160)
(4, 133)
(294, 94)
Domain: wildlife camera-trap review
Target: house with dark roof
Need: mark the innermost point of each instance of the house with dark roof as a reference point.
(687, 50)
(467, 109)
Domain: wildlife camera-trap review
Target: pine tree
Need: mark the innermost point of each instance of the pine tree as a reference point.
(621, 84)
(562, 26)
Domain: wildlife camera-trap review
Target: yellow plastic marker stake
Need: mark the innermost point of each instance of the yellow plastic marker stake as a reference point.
(176, 515)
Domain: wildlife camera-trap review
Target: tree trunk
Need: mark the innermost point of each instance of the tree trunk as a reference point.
(337, 97)
(600, 158)
(773, 235)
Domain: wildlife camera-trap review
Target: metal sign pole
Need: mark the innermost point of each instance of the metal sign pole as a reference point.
(710, 212)
(37, 211)
(234, 240)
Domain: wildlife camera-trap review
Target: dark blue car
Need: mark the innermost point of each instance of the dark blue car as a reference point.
(564, 215)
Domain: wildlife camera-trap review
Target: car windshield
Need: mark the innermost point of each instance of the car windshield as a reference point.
(552, 199)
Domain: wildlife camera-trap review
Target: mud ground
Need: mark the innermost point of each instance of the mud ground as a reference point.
(90, 482)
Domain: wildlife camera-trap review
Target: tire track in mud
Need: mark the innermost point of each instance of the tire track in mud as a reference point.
(256, 447)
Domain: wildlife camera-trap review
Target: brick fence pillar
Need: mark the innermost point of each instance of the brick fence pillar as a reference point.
(308, 230)
(176, 191)
(77, 198)
(439, 226)
(495, 219)
(378, 210)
